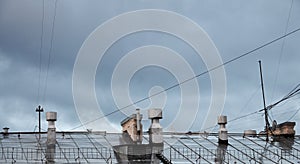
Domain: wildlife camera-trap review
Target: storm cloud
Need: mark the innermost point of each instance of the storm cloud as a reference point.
(30, 78)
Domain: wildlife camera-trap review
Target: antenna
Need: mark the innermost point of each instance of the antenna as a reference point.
(39, 109)
(264, 100)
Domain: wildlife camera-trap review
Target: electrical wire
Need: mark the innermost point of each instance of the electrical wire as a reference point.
(40, 57)
(243, 116)
(247, 115)
(39, 93)
(235, 119)
(50, 52)
(249, 100)
(294, 114)
(295, 91)
(40, 53)
(282, 113)
(187, 80)
(281, 51)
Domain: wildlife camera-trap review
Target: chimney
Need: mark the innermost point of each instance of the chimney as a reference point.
(139, 127)
(51, 137)
(132, 128)
(223, 136)
(155, 130)
(155, 134)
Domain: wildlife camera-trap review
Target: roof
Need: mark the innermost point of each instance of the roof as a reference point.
(96, 147)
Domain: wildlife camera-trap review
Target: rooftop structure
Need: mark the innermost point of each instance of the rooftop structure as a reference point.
(132, 128)
(96, 147)
(156, 147)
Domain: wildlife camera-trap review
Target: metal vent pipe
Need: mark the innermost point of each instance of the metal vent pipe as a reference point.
(51, 136)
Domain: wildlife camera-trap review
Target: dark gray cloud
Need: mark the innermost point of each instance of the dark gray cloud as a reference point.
(235, 27)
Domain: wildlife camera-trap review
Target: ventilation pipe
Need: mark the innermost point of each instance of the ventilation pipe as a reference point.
(223, 133)
(249, 133)
(155, 134)
(51, 136)
(5, 132)
(139, 129)
(155, 130)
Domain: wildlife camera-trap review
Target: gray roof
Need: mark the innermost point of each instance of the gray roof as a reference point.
(96, 147)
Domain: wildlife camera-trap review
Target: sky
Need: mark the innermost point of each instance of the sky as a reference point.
(41, 43)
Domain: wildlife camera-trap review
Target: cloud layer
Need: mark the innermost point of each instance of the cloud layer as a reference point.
(234, 26)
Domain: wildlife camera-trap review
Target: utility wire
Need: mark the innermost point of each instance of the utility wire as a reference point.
(295, 91)
(281, 51)
(240, 117)
(187, 80)
(287, 111)
(40, 56)
(237, 118)
(40, 53)
(294, 114)
(249, 100)
(50, 52)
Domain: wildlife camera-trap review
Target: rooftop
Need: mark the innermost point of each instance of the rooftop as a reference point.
(96, 147)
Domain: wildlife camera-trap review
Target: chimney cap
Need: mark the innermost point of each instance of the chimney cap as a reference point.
(222, 119)
(155, 113)
(51, 116)
(5, 130)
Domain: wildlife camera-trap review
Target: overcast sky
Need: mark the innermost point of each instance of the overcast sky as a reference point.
(234, 26)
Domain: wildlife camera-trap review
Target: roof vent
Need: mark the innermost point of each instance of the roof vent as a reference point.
(5, 130)
(250, 133)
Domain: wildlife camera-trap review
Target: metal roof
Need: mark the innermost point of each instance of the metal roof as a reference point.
(96, 147)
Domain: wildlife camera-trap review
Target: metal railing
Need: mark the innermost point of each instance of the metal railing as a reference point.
(176, 152)
(36, 154)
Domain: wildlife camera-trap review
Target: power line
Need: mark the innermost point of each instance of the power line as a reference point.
(249, 100)
(286, 111)
(50, 51)
(187, 80)
(295, 91)
(294, 114)
(40, 53)
(281, 50)
(234, 119)
(240, 117)
(291, 94)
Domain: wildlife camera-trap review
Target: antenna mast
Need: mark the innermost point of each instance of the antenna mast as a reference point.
(264, 101)
(39, 109)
